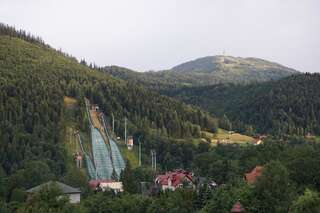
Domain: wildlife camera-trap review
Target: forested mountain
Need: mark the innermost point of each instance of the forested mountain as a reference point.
(206, 71)
(290, 105)
(34, 78)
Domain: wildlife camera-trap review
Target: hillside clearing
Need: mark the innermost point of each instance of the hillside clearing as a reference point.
(227, 137)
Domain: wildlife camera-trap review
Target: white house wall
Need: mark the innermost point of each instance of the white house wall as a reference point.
(74, 198)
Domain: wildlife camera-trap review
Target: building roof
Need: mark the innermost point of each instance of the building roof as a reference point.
(237, 207)
(63, 187)
(176, 177)
(251, 177)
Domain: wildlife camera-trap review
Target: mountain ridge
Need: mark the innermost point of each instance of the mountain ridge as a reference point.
(209, 70)
(223, 59)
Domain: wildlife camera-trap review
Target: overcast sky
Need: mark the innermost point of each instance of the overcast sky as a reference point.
(154, 35)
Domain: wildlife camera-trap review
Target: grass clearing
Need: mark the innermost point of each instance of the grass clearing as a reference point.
(227, 137)
(131, 155)
(70, 125)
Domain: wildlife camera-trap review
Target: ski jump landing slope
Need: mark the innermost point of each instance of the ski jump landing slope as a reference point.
(101, 155)
(117, 159)
(107, 158)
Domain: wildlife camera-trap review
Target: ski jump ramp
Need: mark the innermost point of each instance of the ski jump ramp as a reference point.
(107, 157)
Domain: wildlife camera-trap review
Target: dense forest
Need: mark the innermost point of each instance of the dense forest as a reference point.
(157, 81)
(284, 106)
(282, 187)
(34, 78)
(287, 106)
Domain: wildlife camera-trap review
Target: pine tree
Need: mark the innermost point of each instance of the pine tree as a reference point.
(128, 180)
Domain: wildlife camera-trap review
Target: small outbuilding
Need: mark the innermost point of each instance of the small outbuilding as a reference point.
(130, 143)
(74, 194)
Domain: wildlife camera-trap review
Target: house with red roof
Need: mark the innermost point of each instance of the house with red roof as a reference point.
(252, 176)
(175, 179)
(237, 208)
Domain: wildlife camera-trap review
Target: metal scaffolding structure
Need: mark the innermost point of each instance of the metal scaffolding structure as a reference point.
(89, 164)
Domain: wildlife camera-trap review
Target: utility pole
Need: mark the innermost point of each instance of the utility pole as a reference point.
(139, 152)
(77, 146)
(154, 159)
(112, 123)
(151, 159)
(70, 136)
(125, 130)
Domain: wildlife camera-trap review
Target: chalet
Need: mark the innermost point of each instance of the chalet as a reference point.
(251, 177)
(237, 208)
(175, 179)
(74, 194)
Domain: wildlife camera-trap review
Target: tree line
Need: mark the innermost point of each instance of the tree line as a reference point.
(282, 187)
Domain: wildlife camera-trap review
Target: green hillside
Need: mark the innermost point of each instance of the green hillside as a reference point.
(289, 105)
(34, 79)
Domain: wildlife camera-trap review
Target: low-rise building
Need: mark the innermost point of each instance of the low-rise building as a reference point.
(74, 194)
(106, 185)
(116, 187)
